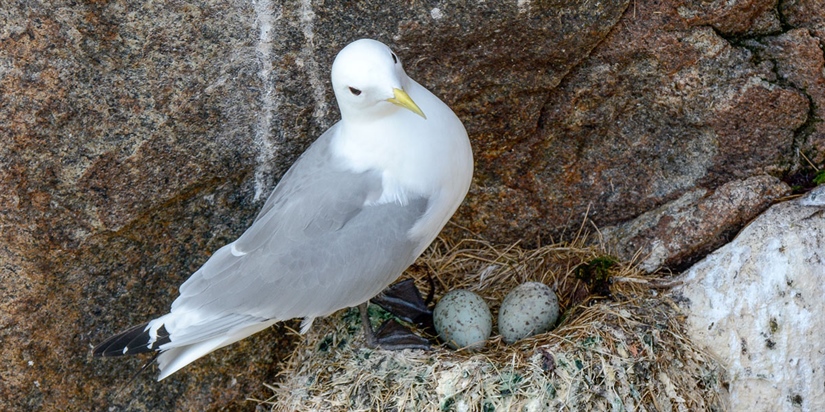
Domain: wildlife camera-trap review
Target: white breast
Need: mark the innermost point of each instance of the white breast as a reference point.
(427, 157)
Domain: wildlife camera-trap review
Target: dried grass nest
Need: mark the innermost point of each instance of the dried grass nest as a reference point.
(620, 345)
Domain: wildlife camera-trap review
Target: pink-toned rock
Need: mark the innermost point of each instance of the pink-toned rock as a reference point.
(798, 60)
(733, 18)
(692, 225)
(808, 14)
(661, 107)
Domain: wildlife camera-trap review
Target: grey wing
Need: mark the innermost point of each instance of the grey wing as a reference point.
(316, 247)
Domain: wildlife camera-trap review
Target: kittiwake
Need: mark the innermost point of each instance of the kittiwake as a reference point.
(353, 212)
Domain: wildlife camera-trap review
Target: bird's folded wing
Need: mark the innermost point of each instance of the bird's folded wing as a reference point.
(211, 328)
(316, 232)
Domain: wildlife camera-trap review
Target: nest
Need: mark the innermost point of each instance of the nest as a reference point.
(620, 345)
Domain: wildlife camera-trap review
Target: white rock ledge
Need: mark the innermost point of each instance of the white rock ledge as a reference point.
(757, 303)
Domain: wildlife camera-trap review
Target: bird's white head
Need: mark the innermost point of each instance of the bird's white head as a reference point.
(369, 81)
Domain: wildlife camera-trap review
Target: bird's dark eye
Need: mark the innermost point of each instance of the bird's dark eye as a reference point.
(394, 58)
(354, 91)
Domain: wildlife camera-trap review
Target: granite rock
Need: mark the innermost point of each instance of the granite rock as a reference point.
(696, 223)
(756, 303)
(664, 105)
(806, 14)
(797, 60)
(682, 230)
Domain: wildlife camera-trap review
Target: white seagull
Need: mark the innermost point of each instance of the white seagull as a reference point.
(353, 212)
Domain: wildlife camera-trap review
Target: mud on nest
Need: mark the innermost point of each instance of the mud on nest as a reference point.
(619, 345)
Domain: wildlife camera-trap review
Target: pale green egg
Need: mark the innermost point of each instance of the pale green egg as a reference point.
(529, 309)
(463, 320)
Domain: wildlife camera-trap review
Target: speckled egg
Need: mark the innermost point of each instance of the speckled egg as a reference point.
(463, 320)
(529, 309)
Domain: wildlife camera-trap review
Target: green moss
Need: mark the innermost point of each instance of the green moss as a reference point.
(596, 270)
(596, 273)
(819, 178)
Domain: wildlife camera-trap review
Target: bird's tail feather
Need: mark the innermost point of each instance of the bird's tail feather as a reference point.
(131, 341)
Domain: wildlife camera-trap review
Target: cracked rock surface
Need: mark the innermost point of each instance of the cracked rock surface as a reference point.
(135, 139)
(664, 105)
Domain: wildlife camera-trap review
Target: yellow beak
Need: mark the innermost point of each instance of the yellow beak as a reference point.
(403, 99)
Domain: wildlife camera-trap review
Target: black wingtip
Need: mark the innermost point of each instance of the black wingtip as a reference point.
(131, 341)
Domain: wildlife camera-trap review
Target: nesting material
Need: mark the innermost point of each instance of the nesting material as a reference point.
(619, 345)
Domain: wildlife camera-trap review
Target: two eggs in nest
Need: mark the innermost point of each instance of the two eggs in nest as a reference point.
(463, 319)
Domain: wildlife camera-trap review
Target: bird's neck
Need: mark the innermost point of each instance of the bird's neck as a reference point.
(382, 147)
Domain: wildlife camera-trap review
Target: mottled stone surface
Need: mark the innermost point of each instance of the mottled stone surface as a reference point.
(732, 18)
(664, 105)
(797, 59)
(692, 225)
(127, 144)
(756, 303)
(807, 14)
(701, 220)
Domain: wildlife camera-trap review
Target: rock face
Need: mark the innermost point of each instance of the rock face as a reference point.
(694, 224)
(664, 105)
(798, 61)
(139, 138)
(757, 304)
